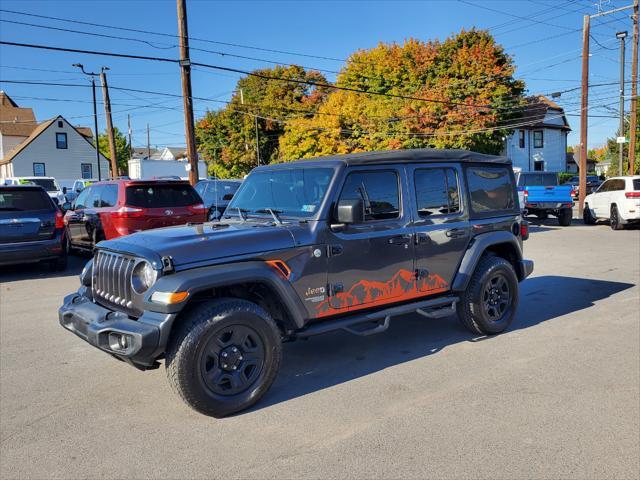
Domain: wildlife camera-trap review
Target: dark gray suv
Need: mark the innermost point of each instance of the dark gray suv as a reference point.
(304, 248)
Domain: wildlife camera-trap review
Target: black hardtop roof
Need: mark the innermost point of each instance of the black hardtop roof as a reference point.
(417, 155)
(23, 187)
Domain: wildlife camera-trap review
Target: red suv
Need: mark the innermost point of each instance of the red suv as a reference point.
(115, 208)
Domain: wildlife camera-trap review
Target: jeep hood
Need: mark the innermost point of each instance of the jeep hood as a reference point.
(202, 244)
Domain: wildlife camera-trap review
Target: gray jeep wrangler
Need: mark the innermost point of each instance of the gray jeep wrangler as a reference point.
(304, 248)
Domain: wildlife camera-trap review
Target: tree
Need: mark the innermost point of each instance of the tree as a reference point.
(612, 149)
(123, 149)
(468, 78)
(227, 138)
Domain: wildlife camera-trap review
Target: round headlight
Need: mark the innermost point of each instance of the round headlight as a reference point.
(143, 277)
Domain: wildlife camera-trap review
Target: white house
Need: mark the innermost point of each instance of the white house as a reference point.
(53, 148)
(541, 144)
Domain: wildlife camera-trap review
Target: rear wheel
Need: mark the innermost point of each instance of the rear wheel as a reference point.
(587, 216)
(614, 219)
(564, 217)
(491, 298)
(224, 356)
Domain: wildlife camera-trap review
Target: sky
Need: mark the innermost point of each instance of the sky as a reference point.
(544, 38)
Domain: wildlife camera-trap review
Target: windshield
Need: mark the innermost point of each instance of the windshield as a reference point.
(49, 184)
(296, 192)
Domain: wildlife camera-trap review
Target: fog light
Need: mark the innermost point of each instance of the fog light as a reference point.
(119, 341)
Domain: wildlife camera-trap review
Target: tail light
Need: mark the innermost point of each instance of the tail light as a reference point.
(574, 192)
(59, 219)
(524, 230)
(198, 209)
(128, 212)
(632, 194)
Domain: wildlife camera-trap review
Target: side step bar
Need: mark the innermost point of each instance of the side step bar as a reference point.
(377, 322)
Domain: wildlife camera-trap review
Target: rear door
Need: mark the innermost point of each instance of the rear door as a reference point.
(441, 225)
(600, 200)
(26, 215)
(372, 264)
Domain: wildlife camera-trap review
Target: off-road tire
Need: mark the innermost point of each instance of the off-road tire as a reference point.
(199, 326)
(614, 219)
(565, 215)
(471, 309)
(587, 217)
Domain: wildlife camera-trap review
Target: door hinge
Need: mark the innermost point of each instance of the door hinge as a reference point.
(422, 273)
(334, 288)
(335, 249)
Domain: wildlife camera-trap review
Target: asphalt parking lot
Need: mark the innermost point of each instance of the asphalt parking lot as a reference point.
(557, 396)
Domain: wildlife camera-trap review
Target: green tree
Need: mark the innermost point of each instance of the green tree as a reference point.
(460, 75)
(123, 149)
(612, 149)
(227, 138)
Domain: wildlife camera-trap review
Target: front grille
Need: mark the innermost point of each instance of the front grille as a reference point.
(112, 280)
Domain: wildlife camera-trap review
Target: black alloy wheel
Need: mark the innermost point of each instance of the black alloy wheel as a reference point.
(496, 297)
(232, 359)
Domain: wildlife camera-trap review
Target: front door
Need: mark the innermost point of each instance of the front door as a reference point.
(76, 218)
(441, 225)
(371, 264)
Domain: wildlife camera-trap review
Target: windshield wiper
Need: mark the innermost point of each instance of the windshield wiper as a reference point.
(274, 214)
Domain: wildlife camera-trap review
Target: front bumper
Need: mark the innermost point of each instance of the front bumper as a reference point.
(101, 328)
(29, 252)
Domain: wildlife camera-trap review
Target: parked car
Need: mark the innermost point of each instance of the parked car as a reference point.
(216, 195)
(593, 182)
(31, 227)
(308, 247)
(48, 183)
(111, 209)
(617, 199)
(78, 186)
(543, 196)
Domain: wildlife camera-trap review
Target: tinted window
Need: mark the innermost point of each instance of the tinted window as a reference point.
(48, 184)
(636, 183)
(161, 196)
(538, 179)
(436, 191)
(23, 200)
(82, 199)
(295, 192)
(490, 189)
(379, 192)
(109, 195)
(616, 185)
(93, 201)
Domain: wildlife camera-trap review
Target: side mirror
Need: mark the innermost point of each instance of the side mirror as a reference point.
(350, 211)
(64, 190)
(67, 206)
(228, 197)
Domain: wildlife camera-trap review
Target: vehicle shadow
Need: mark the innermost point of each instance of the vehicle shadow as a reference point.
(339, 357)
(29, 271)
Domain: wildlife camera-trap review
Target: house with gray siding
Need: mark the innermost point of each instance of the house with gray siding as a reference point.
(540, 144)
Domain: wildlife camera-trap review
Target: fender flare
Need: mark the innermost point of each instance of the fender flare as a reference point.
(204, 278)
(477, 247)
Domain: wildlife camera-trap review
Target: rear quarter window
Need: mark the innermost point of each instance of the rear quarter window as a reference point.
(161, 196)
(491, 190)
(24, 200)
(636, 183)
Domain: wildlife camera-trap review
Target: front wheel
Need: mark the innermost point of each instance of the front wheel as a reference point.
(224, 356)
(564, 217)
(587, 216)
(489, 303)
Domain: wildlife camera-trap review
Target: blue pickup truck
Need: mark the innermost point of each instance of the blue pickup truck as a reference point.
(543, 196)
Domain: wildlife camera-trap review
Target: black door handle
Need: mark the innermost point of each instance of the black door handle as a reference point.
(400, 240)
(456, 233)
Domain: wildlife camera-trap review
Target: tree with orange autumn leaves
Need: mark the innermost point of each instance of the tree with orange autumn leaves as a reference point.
(463, 95)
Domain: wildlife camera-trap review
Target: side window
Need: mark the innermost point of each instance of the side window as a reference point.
(436, 191)
(605, 186)
(94, 199)
(617, 185)
(81, 200)
(378, 190)
(109, 195)
(490, 189)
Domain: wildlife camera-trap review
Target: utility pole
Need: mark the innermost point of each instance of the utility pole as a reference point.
(148, 143)
(633, 124)
(584, 105)
(257, 142)
(107, 111)
(129, 132)
(621, 36)
(185, 66)
(95, 112)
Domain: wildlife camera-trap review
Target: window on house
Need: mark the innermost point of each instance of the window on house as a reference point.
(538, 139)
(538, 166)
(38, 170)
(521, 138)
(60, 124)
(61, 140)
(86, 170)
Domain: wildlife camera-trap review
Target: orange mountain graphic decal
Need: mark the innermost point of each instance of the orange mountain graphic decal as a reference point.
(401, 287)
